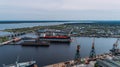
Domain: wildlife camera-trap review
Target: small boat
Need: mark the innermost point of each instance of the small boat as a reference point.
(22, 64)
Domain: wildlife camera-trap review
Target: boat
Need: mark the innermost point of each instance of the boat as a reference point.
(22, 64)
(54, 36)
(58, 39)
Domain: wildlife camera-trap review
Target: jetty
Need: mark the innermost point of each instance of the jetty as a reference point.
(111, 59)
(10, 41)
(83, 62)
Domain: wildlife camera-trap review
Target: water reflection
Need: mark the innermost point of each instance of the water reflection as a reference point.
(56, 52)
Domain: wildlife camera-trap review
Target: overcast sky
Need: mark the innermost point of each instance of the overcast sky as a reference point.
(59, 9)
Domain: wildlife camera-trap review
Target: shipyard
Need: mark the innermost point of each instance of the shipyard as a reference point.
(59, 33)
(52, 41)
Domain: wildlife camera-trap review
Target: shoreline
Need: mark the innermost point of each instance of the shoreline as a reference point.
(96, 37)
(78, 30)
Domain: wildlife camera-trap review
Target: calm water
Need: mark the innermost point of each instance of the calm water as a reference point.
(4, 33)
(55, 53)
(21, 25)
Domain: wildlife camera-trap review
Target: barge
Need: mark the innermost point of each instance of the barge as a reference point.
(34, 42)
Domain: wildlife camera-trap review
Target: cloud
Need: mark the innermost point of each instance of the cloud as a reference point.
(62, 4)
(32, 4)
(59, 9)
(91, 4)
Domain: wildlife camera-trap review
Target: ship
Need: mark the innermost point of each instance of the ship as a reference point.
(23, 64)
(54, 36)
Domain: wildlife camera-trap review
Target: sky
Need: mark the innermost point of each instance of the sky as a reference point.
(59, 9)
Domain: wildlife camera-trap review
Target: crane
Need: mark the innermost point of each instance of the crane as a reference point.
(92, 52)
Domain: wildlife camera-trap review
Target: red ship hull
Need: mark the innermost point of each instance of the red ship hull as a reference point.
(60, 39)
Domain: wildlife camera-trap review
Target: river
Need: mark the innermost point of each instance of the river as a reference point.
(22, 25)
(55, 52)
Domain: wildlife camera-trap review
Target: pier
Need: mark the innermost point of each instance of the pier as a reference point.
(83, 63)
(9, 41)
(107, 59)
(111, 59)
(71, 63)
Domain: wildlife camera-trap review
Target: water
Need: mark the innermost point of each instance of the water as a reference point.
(21, 25)
(3, 33)
(55, 53)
